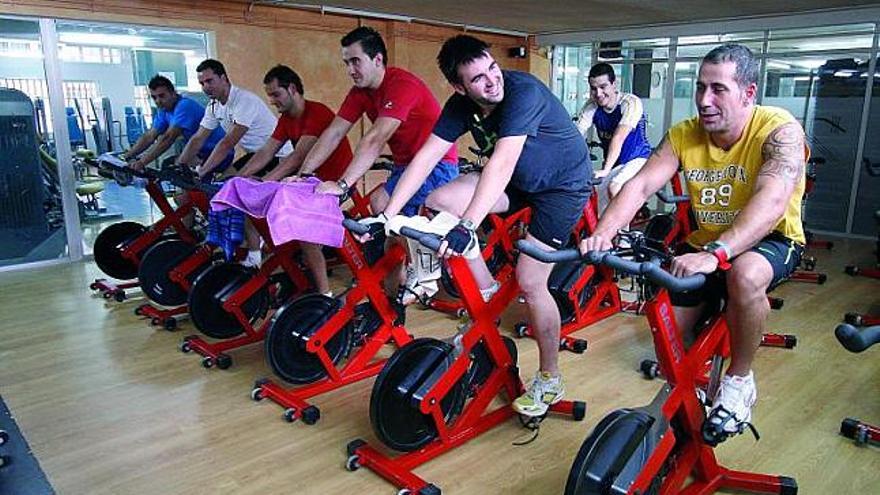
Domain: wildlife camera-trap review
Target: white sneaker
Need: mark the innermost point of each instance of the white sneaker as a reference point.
(416, 290)
(490, 291)
(544, 391)
(253, 259)
(732, 407)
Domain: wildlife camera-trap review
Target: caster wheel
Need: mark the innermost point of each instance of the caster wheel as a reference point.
(351, 464)
(853, 319)
(579, 410)
(650, 369)
(155, 321)
(521, 330)
(4, 437)
(810, 264)
(257, 394)
(821, 278)
(119, 296)
(311, 415)
(777, 302)
(353, 445)
(207, 362)
(579, 346)
(223, 361)
(289, 415)
(851, 270)
(260, 382)
(790, 341)
(5, 460)
(429, 490)
(404, 491)
(460, 313)
(106, 295)
(170, 324)
(139, 311)
(185, 347)
(93, 286)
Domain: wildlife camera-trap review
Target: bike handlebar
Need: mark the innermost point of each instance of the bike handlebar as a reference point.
(649, 269)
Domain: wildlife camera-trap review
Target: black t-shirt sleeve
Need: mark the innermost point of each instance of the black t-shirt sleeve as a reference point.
(452, 122)
(522, 112)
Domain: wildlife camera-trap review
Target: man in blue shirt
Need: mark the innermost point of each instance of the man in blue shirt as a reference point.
(619, 119)
(177, 116)
(537, 158)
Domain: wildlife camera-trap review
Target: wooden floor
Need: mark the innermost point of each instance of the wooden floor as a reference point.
(109, 405)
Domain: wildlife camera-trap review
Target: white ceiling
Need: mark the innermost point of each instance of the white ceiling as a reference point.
(561, 16)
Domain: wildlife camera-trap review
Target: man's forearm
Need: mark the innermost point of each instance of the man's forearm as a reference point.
(327, 142)
(257, 162)
(190, 150)
(614, 148)
(368, 149)
(755, 221)
(410, 181)
(142, 143)
(217, 155)
(162, 144)
(489, 189)
(622, 209)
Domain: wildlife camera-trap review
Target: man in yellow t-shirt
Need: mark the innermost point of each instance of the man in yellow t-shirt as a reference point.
(744, 169)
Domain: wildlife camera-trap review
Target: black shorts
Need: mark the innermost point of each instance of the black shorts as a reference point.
(783, 254)
(241, 162)
(554, 213)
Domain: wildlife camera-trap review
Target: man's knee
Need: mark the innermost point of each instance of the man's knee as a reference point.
(749, 277)
(439, 200)
(532, 277)
(379, 200)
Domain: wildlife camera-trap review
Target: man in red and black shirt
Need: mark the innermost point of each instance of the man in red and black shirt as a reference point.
(403, 112)
(301, 122)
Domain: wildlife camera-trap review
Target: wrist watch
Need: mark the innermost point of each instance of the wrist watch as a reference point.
(721, 251)
(468, 224)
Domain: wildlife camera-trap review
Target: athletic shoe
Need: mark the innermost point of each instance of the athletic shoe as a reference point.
(544, 391)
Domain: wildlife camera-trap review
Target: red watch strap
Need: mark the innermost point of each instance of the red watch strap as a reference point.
(721, 254)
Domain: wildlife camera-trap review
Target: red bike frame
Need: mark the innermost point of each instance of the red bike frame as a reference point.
(281, 256)
(688, 458)
(171, 218)
(361, 365)
(476, 417)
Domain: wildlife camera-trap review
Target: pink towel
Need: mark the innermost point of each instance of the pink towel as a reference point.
(292, 209)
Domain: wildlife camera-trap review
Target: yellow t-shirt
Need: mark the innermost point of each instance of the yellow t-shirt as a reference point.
(720, 182)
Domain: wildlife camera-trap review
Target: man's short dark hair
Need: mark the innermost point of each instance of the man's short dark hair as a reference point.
(213, 65)
(747, 66)
(371, 42)
(160, 81)
(457, 51)
(285, 77)
(602, 69)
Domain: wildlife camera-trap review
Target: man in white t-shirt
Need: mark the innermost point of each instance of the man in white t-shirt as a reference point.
(248, 123)
(244, 116)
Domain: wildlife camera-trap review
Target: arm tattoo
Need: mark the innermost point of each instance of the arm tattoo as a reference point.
(783, 154)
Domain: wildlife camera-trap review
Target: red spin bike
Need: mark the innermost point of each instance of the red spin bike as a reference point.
(434, 395)
(665, 447)
(120, 247)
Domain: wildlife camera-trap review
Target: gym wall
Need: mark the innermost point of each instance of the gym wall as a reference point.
(252, 38)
